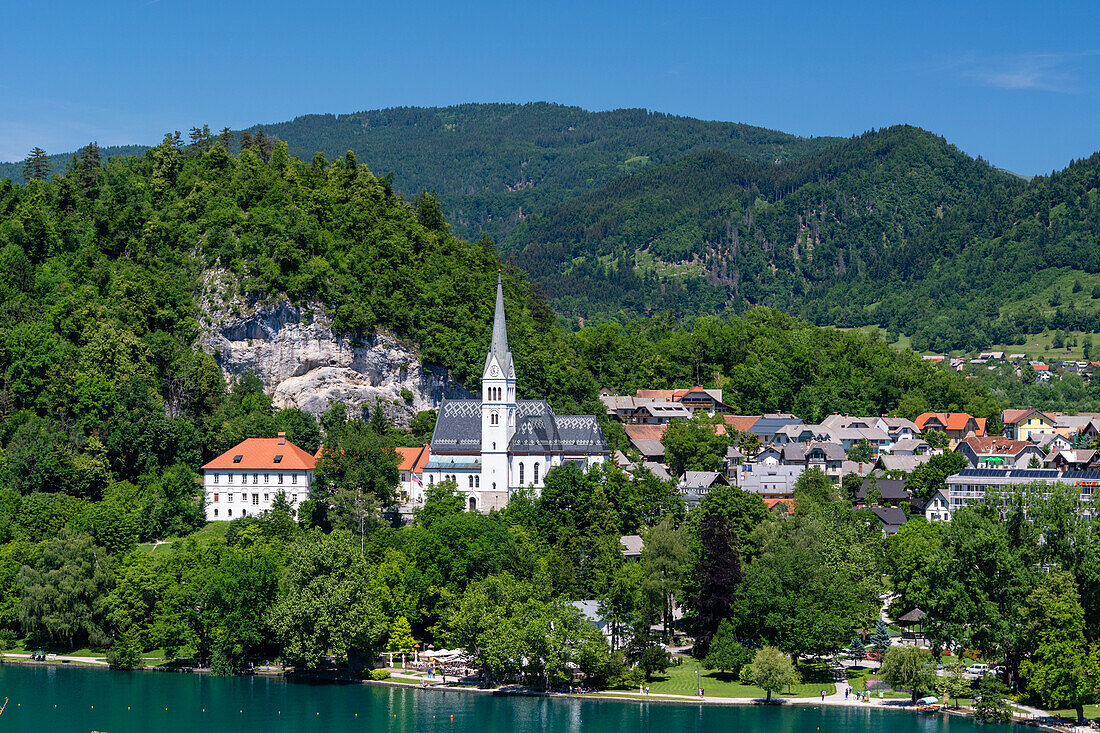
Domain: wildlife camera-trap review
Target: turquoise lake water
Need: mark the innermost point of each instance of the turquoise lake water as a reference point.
(59, 698)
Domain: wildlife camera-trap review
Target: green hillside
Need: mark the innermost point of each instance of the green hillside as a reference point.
(895, 227)
(493, 164)
(60, 162)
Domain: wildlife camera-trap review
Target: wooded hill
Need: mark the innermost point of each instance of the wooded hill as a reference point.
(894, 227)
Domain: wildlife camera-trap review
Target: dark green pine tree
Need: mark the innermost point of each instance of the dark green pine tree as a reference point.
(36, 166)
(86, 169)
(880, 640)
(225, 137)
(857, 650)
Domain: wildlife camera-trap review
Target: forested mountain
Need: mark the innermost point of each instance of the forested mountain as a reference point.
(61, 162)
(894, 227)
(493, 164)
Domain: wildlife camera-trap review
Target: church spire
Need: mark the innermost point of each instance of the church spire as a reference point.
(499, 347)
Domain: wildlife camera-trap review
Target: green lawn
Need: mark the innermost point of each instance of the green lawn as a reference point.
(1092, 712)
(687, 678)
(212, 532)
(858, 677)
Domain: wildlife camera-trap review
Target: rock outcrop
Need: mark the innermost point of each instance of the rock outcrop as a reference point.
(303, 363)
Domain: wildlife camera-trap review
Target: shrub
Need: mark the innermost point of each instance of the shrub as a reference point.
(379, 674)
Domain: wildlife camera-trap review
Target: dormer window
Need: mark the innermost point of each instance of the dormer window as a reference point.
(238, 458)
(279, 458)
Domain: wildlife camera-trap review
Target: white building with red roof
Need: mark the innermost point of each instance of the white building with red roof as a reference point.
(245, 480)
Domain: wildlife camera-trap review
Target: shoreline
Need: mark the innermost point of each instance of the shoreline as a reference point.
(615, 696)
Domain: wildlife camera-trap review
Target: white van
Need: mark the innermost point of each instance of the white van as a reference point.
(977, 669)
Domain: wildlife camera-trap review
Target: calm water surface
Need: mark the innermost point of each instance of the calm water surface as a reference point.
(73, 699)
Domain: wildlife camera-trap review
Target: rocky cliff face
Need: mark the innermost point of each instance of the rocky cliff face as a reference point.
(303, 364)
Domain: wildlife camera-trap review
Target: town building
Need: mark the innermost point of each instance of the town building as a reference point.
(245, 480)
(1022, 424)
(997, 452)
(957, 425)
(410, 469)
(972, 484)
(496, 445)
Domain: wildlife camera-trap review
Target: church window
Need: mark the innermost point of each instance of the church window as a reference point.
(536, 473)
(473, 504)
(477, 482)
(521, 474)
(215, 478)
(215, 512)
(494, 486)
(231, 512)
(471, 481)
(493, 419)
(230, 478)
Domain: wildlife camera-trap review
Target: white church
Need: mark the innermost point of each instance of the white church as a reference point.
(496, 445)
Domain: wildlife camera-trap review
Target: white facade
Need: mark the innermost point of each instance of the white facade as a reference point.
(235, 494)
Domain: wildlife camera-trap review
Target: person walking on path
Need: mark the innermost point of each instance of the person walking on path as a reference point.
(823, 696)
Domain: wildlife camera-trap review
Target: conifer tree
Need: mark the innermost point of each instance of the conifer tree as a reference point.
(226, 138)
(36, 166)
(857, 650)
(880, 640)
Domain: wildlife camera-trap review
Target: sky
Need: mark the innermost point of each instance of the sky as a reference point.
(1017, 83)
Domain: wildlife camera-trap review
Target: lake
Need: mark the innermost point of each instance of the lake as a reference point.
(61, 698)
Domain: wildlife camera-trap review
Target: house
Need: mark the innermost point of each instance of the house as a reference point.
(647, 440)
(707, 400)
(897, 429)
(997, 452)
(659, 413)
(891, 517)
(740, 423)
(911, 447)
(632, 545)
(694, 485)
(1022, 424)
(829, 457)
(957, 425)
(938, 508)
(891, 492)
(971, 484)
(1051, 442)
(770, 481)
(1073, 460)
(245, 480)
(590, 611)
(410, 469)
(906, 463)
(766, 426)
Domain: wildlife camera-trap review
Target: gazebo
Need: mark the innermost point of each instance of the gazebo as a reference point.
(913, 618)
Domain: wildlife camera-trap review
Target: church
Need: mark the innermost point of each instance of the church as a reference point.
(497, 445)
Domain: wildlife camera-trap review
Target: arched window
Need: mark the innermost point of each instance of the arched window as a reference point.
(477, 482)
(216, 512)
(231, 512)
(521, 474)
(471, 481)
(473, 504)
(431, 480)
(536, 473)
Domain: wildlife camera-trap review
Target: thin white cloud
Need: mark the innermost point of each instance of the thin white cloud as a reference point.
(1049, 72)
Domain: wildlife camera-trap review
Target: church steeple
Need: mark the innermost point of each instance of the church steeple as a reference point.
(498, 349)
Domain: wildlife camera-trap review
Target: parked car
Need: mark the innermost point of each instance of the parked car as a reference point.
(977, 669)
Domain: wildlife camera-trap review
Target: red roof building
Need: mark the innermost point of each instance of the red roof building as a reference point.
(246, 478)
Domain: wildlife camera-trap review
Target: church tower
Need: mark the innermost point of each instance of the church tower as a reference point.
(498, 404)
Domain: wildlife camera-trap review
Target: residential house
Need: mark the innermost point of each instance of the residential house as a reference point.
(1022, 424)
(695, 484)
(707, 400)
(245, 480)
(906, 463)
(911, 447)
(997, 452)
(770, 481)
(897, 429)
(1049, 442)
(938, 508)
(410, 468)
(891, 517)
(891, 492)
(766, 426)
(647, 440)
(659, 413)
(957, 425)
(1073, 460)
(740, 423)
(632, 546)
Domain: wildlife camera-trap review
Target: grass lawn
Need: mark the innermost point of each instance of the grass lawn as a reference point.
(212, 532)
(685, 679)
(1092, 712)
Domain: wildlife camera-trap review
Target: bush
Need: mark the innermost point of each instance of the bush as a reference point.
(379, 674)
(125, 653)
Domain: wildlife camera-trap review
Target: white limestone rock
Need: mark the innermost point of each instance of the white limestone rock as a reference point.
(303, 364)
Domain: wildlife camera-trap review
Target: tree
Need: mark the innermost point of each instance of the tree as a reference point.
(1059, 670)
(771, 670)
(36, 166)
(718, 568)
(951, 684)
(654, 659)
(360, 474)
(937, 439)
(664, 560)
(695, 445)
(725, 653)
(328, 605)
(857, 650)
(928, 478)
(991, 703)
(401, 639)
(125, 653)
(62, 593)
(441, 500)
(861, 452)
(908, 666)
(880, 639)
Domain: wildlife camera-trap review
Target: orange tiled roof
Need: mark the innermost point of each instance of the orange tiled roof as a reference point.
(645, 432)
(950, 420)
(741, 423)
(260, 453)
(1011, 417)
(412, 459)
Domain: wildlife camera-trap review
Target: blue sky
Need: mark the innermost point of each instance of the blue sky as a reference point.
(1015, 82)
